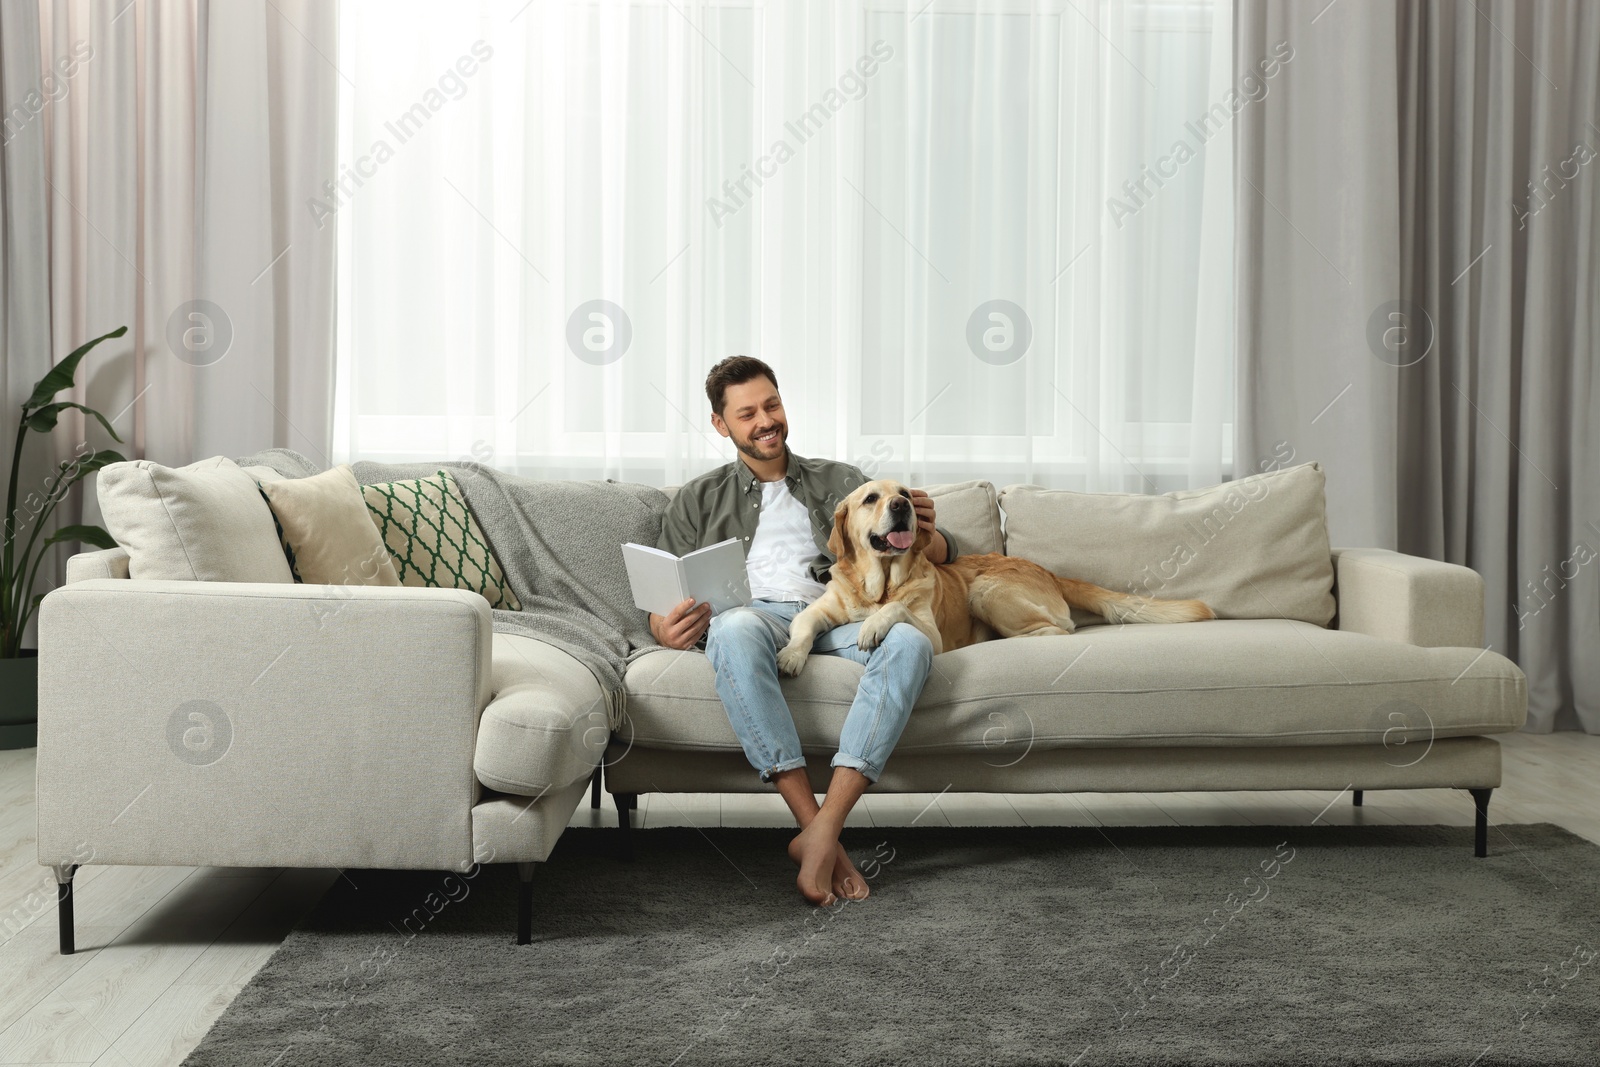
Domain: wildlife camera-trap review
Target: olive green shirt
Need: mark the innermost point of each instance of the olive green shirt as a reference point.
(726, 502)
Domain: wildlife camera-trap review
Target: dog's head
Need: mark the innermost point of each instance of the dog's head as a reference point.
(876, 521)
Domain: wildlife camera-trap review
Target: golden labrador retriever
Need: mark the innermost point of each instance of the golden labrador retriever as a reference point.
(880, 577)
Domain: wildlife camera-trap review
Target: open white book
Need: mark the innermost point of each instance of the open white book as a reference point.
(661, 581)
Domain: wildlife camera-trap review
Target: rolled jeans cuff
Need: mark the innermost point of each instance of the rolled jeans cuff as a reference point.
(787, 765)
(857, 763)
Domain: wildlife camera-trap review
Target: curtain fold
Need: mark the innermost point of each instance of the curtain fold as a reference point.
(28, 82)
(24, 236)
(957, 235)
(1458, 189)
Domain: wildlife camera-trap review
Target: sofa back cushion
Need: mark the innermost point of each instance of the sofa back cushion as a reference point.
(1256, 548)
(205, 522)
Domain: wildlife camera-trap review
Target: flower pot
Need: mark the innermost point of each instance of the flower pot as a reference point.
(19, 700)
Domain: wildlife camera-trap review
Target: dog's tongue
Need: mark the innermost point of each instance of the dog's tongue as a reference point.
(900, 538)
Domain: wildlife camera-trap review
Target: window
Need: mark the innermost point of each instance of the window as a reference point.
(961, 237)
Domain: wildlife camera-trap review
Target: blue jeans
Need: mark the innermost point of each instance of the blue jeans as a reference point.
(742, 644)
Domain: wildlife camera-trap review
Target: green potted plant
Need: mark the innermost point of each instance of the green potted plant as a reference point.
(25, 521)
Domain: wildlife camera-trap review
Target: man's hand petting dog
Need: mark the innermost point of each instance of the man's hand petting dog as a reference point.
(681, 627)
(923, 504)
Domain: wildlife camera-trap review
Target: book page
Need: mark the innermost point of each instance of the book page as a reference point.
(716, 574)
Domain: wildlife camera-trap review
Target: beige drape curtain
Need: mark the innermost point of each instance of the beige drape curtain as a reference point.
(158, 160)
(25, 353)
(1419, 278)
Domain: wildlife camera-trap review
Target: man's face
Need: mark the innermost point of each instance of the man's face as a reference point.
(753, 419)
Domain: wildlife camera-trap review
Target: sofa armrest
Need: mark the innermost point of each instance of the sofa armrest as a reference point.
(242, 724)
(101, 563)
(1419, 601)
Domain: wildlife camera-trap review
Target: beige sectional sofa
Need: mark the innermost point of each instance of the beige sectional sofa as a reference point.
(258, 724)
(1398, 693)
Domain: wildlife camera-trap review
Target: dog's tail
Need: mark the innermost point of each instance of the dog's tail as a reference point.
(1127, 607)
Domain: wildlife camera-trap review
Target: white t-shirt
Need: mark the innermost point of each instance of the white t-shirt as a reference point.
(778, 562)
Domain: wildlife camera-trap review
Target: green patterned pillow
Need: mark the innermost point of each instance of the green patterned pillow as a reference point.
(434, 540)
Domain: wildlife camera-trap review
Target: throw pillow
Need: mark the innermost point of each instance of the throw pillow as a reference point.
(430, 532)
(1255, 548)
(327, 531)
(205, 522)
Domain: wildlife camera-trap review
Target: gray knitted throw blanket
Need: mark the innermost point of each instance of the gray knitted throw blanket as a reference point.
(560, 546)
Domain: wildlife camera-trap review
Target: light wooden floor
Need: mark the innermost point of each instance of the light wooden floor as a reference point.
(164, 949)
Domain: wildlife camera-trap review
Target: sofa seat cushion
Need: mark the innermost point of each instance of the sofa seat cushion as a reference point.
(545, 725)
(1223, 683)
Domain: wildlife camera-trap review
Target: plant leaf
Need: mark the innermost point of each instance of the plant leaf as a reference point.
(62, 374)
(44, 420)
(93, 462)
(89, 535)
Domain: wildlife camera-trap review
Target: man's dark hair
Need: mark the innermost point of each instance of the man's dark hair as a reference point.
(735, 370)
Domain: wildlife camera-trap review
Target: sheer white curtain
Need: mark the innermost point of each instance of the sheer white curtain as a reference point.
(963, 233)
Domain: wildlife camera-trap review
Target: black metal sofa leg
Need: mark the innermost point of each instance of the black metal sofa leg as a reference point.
(1356, 802)
(1480, 843)
(64, 875)
(626, 804)
(525, 903)
(594, 790)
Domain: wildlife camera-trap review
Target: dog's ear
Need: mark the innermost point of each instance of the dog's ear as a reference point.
(840, 543)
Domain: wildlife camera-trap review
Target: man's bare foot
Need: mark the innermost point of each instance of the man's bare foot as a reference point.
(817, 852)
(847, 881)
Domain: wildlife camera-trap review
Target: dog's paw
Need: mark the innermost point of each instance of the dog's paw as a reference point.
(792, 660)
(873, 631)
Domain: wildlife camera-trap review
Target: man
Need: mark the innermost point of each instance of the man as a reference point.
(782, 506)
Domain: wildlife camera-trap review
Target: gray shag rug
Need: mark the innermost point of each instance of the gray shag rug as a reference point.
(990, 945)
